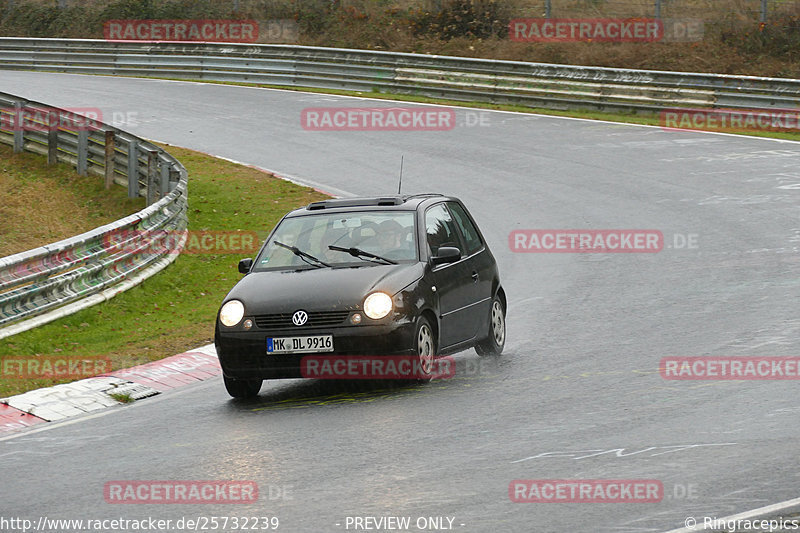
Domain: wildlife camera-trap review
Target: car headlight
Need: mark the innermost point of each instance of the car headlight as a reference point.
(377, 305)
(231, 313)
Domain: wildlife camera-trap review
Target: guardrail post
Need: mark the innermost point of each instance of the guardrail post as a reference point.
(83, 152)
(764, 11)
(174, 176)
(19, 127)
(152, 162)
(52, 145)
(111, 158)
(133, 169)
(658, 9)
(164, 179)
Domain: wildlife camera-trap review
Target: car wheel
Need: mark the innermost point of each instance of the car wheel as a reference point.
(425, 348)
(242, 388)
(493, 344)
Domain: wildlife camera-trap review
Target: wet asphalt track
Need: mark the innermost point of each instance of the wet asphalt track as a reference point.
(576, 395)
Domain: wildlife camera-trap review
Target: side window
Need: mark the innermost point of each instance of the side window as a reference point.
(440, 229)
(465, 226)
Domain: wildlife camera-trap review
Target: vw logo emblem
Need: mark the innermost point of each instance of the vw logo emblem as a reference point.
(299, 318)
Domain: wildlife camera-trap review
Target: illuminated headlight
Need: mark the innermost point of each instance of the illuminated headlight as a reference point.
(231, 313)
(377, 305)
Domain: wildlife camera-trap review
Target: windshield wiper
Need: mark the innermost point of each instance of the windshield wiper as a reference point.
(319, 263)
(358, 252)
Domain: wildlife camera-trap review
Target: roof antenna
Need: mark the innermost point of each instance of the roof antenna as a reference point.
(399, 185)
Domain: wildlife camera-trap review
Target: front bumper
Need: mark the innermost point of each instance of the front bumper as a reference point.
(243, 354)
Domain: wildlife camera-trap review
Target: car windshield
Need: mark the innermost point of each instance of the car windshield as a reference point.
(387, 235)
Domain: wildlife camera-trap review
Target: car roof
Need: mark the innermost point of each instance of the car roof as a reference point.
(409, 202)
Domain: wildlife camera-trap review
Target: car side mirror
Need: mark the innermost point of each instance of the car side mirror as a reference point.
(245, 265)
(446, 254)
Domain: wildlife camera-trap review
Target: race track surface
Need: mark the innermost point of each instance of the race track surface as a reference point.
(577, 395)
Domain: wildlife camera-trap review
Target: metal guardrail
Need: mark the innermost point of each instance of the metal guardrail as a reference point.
(455, 78)
(46, 283)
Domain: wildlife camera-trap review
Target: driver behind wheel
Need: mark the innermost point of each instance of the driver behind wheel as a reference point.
(389, 235)
(392, 240)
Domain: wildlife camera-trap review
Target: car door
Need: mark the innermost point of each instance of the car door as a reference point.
(453, 281)
(481, 266)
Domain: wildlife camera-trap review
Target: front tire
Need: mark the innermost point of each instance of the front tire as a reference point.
(425, 348)
(494, 343)
(242, 388)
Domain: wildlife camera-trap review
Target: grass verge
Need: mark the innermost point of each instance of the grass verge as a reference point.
(173, 311)
(66, 204)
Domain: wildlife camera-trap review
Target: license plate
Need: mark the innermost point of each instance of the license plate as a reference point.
(311, 344)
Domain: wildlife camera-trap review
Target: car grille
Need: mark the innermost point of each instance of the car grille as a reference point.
(315, 319)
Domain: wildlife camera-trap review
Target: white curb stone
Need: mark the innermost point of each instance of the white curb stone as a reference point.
(70, 399)
(92, 394)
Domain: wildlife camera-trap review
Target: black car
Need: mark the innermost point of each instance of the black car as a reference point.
(398, 275)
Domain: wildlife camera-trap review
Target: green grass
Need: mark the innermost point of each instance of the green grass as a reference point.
(122, 397)
(66, 204)
(173, 311)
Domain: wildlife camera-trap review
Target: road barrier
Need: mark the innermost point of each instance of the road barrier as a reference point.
(454, 78)
(58, 279)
